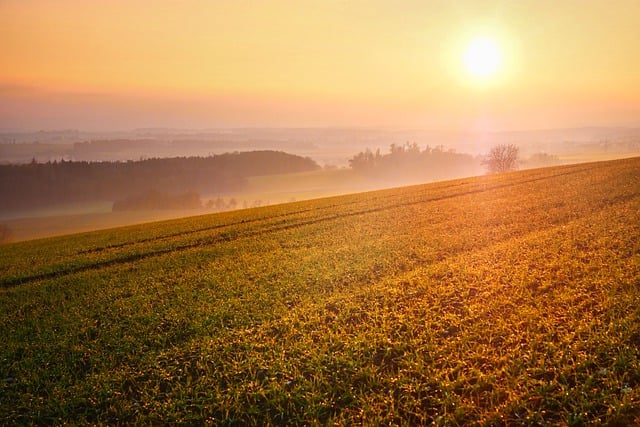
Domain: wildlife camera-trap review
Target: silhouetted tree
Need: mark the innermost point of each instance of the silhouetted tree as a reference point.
(409, 162)
(502, 158)
(366, 161)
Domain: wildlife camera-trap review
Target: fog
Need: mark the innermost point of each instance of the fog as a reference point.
(327, 146)
(72, 180)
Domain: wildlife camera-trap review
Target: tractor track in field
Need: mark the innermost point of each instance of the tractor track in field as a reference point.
(267, 219)
(268, 228)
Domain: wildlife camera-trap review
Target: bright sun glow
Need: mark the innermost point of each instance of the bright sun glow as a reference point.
(482, 57)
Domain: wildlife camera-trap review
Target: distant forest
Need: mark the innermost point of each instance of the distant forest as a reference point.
(36, 185)
(409, 162)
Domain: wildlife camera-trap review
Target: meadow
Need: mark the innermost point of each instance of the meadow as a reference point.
(508, 299)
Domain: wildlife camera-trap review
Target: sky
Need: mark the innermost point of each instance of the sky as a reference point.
(116, 65)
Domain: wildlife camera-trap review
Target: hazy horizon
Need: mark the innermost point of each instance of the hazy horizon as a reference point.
(125, 81)
(363, 128)
(316, 212)
(100, 66)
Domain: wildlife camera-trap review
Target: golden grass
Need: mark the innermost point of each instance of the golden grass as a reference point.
(498, 300)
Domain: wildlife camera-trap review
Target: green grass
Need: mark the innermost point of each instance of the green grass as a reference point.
(499, 300)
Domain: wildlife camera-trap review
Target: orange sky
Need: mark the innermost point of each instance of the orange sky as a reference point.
(98, 65)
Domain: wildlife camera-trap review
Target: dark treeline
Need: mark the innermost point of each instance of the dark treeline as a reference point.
(408, 162)
(45, 184)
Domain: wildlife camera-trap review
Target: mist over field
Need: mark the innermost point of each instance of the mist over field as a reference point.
(49, 177)
(308, 213)
(328, 146)
(505, 299)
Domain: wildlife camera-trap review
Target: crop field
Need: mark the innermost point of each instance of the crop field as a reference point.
(508, 299)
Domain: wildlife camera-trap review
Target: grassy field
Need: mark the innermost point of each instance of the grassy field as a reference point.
(502, 300)
(263, 190)
(37, 227)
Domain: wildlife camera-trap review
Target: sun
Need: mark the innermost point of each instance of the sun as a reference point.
(482, 57)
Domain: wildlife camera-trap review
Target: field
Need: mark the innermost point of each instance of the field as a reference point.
(501, 300)
(263, 190)
(260, 191)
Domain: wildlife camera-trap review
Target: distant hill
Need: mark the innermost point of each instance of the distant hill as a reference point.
(44, 184)
(507, 299)
(328, 146)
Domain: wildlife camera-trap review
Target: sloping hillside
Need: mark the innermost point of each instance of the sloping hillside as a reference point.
(499, 300)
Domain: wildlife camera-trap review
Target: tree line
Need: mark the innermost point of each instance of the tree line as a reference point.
(44, 184)
(410, 162)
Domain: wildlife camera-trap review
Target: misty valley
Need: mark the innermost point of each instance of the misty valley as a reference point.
(320, 213)
(37, 185)
(68, 185)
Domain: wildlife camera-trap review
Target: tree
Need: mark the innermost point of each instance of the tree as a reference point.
(502, 158)
(366, 161)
